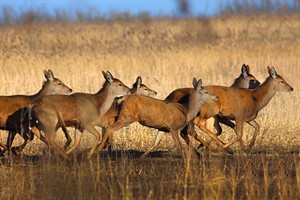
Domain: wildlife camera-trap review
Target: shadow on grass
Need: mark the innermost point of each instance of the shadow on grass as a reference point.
(82, 155)
(131, 154)
(135, 154)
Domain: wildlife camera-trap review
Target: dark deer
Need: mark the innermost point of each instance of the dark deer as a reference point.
(13, 110)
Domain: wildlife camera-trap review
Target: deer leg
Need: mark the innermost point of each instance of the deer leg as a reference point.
(217, 127)
(3, 145)
(120, 123)
(239, 133)
(38, 134)
(156, 143)
(202, 126)
(18, 149)
(213, 136)
(226, 122)
(109, 142)
(26, 136)
(175, 135)
(189, 129)
(195, 135)
(50, 136)
(68, 137)
(78, 136)
(2, 151)
(93, 130)
(254, 124)
(10, 139)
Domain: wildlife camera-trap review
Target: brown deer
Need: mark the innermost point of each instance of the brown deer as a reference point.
(82, 110)
(159, 114)
(242, 106)
(244, 80)
(13, 110)
(110, 116)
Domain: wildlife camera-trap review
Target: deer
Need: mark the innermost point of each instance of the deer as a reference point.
(249, 102)
(244, 80)
(159, 114)
(13, 110)
(137, 88)
(109, 117)
(81, 110)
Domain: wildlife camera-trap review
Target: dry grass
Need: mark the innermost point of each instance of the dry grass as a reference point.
(271, 176)
(167, 53)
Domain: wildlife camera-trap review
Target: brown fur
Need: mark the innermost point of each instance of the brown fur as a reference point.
(110, 116)
(159, 114)
(13, 109)
(241, 105)
(81, 110)
(245, 80)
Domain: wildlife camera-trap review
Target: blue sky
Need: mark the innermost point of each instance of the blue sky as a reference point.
(106, 7)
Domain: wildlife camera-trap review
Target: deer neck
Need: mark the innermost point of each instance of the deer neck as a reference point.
(44, 91)
(104, 98)
(194, 105)
(264, 93)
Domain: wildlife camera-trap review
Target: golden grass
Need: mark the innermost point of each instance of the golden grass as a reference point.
(255, 176)
(167, 53)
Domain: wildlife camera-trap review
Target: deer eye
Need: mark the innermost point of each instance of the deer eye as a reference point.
(120, 84)
(59, 83)
(146, 89)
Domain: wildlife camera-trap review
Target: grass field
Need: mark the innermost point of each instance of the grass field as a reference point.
(167, 54)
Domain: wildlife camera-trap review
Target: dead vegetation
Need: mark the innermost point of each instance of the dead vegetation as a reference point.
(166, 53)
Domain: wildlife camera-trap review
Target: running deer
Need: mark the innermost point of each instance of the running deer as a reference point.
(244, 80)
(81, 110)
(137, 88)
(159, 114)
(13, 110)
(242, 106)
(109, 117)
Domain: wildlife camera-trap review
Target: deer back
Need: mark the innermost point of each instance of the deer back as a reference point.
(11, 106)
(234, 102)
(80, 108)
(137, 88)
(153, 112)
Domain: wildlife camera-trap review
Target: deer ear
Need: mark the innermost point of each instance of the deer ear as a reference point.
(245, 70)
(199, 84)
(108, 77)
(49, 75)
(194, 82)
(138, 81)
(272, 72)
